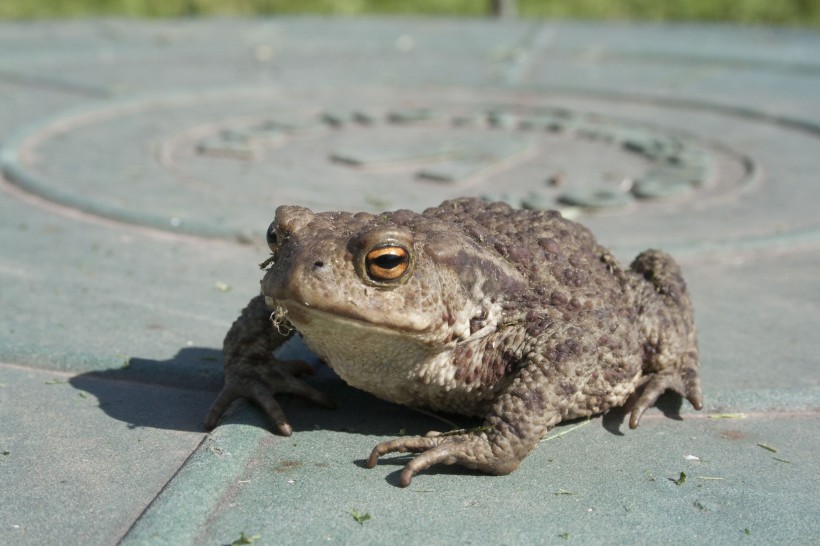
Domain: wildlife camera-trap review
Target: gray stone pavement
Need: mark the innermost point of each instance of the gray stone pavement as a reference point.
(142, 161)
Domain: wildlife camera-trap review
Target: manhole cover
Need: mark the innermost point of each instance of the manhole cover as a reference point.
(223, 161)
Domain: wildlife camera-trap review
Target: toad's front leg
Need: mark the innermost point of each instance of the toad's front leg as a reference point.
(523, 412)
(251, 371)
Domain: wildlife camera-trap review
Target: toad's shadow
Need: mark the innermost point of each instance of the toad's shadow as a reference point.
(175, 394)
(168, 394)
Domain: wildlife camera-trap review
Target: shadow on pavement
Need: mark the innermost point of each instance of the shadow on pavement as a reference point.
(669, 403)
(175, 394)
(166, 394)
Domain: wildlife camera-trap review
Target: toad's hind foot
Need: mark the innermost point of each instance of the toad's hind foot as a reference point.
(468, 449)
(685, 382)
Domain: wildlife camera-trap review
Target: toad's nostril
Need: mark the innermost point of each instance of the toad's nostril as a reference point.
(318, 264)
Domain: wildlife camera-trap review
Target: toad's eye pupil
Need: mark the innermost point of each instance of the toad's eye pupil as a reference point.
(387, 263)
(271, 235)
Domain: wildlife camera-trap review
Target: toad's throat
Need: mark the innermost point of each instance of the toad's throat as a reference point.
(375, 358)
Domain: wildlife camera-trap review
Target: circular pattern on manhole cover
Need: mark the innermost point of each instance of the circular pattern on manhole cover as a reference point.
(217, 164)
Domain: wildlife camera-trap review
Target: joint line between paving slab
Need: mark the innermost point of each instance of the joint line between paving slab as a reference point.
(185, 505)
(159, 494)
(534, 41)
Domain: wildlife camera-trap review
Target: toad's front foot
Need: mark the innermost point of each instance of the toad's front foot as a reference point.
(259, 383)
(469, 449)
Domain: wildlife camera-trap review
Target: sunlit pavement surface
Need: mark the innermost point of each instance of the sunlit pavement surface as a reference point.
(142, 162)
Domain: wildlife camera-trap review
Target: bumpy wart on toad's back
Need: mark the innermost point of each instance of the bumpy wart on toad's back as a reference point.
(518, 317)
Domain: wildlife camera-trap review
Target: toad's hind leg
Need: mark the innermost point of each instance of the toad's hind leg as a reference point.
(533, 402)
(668, 328)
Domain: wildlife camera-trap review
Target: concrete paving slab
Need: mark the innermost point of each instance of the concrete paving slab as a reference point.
(143, 160)
(72, 473)
(772, 334)
(593, 485)
(80, 297)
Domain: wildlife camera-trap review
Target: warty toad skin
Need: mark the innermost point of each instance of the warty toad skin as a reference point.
(515, 316)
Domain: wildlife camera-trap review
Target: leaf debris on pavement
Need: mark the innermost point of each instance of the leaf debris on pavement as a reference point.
(570, 429)
(360, 518)
(563, 491)
(681, 479)
(245, 539)
(727, 416)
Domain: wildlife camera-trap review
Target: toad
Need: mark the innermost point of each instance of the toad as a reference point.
(518, 317)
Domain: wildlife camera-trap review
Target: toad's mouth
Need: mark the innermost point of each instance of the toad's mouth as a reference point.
(288, 314)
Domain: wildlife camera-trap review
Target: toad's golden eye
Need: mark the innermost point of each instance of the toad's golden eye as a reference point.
(387, 263)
